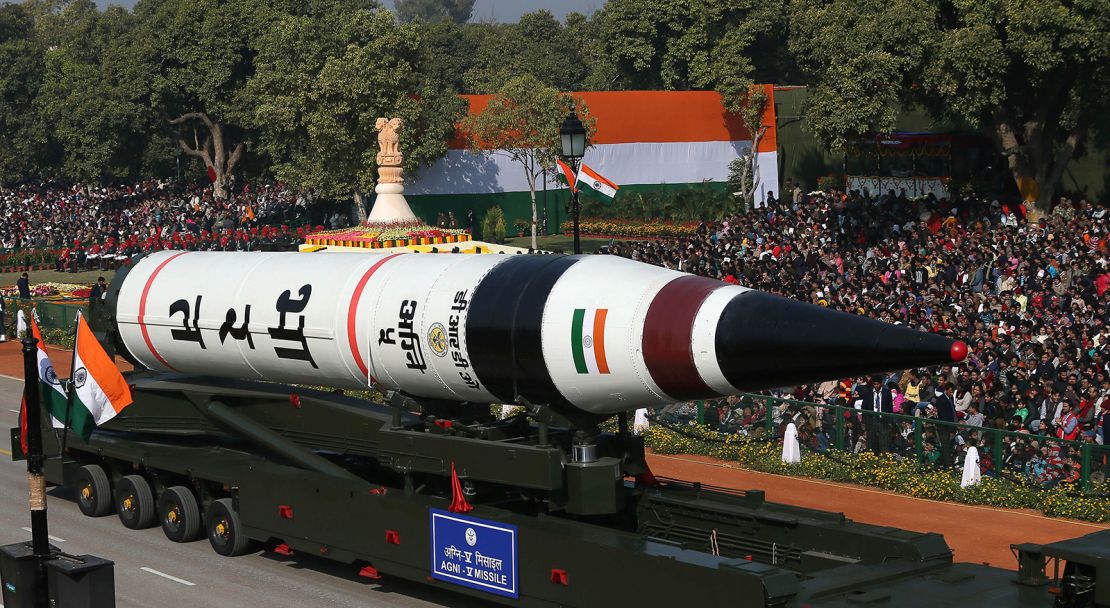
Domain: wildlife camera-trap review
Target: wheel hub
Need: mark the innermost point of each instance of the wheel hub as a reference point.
(87, 493)
(221, 528)
(129, 503)
(172, 516)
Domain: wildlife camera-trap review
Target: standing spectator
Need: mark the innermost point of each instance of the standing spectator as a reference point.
(24, 285)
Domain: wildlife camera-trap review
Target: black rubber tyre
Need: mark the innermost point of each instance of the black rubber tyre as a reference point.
(135, 502)
(179, 514)
(224, 530)
(94, 492)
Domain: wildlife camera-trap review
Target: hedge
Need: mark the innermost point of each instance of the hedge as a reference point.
(886, 471)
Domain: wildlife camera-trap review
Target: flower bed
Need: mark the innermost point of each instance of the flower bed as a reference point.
(401, 234)
(635, 229)
(52, 291)
(901, 475)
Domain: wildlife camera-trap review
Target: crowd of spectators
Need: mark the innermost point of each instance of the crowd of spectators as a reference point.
(97, 226)
(1029, 297)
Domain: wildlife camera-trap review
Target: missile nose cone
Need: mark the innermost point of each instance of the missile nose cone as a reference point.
(959, 351)
(766, 341)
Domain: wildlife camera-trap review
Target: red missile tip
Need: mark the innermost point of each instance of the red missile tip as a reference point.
(959, 351)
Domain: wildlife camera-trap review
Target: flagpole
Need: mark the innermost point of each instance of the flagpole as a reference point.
(69, 393)
(40, 537)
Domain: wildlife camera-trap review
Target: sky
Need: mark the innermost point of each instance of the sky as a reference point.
(504, 11)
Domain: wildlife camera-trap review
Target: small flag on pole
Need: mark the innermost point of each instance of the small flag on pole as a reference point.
(98, 389)
(566, 172)
(50, 388)
(591, 180)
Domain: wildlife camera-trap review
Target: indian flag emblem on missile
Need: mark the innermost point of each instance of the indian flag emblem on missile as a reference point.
(587, 340)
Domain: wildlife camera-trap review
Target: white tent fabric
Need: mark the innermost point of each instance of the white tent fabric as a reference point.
(971, 468)
(463, 172)
(791, 450)
(640, 423)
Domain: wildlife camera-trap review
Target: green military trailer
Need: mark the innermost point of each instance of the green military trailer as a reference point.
(516, 511)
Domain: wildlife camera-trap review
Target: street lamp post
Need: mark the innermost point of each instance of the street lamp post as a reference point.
(572, 136)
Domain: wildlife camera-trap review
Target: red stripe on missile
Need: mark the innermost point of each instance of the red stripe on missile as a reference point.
(142, 308)
(352, 338)
(668, 334)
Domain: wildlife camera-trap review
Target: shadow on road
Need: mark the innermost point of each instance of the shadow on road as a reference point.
(387, 584)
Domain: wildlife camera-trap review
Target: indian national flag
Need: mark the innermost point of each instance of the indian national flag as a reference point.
(592, 180)
(566, 172)
(587, 340)
(50, 388)
(99, 390)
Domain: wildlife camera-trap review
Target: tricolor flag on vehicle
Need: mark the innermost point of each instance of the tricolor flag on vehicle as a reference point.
(566, 172)
(98, 390)
(587, 340)
(52, 397)
(588, 180)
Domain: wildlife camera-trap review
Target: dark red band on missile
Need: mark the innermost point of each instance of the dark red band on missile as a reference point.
(503, 328)
(668, 336)
(352, 337)
(142, 308)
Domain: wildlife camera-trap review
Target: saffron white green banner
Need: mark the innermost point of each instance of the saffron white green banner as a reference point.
(99, 390)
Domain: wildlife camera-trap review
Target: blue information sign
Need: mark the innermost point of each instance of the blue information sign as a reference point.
(474, 553)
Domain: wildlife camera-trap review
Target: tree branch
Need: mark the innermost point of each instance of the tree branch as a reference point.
(197, 152)
(201, 116)
(235, 155)
(1064, 155)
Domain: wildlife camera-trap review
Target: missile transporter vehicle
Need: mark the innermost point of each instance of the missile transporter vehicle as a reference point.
(543, 508)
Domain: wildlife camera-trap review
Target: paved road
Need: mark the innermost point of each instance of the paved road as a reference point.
(152, 571)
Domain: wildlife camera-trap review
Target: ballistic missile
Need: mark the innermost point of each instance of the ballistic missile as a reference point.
(598, 333)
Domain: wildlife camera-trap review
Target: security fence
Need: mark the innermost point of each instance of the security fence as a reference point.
(56, 317)
(1035, 459)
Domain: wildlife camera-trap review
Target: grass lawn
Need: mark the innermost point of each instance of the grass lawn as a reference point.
(49, 276)
(556, 242)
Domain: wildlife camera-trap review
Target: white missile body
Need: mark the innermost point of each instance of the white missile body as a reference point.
(599, 333)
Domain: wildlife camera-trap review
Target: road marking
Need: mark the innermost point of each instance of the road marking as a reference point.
(10, 378)
(14, 412)
(6, 453)
(172, 578)
(53, 538)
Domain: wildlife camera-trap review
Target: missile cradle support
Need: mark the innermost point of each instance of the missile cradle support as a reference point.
(564, 514)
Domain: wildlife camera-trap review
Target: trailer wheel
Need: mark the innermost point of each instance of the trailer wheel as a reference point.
(135, 502)
(94, 493)
(179, 514)
(224, 530)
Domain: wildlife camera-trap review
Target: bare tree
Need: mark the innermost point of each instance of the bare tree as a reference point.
(212, 150)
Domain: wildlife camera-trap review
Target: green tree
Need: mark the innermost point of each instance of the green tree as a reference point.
(743, 171)
(521, 122)
(95, 111)
(681, 45)
(537, 45)
(1032, 74)
(322, 80)
(21, 68)
(197, 57)
(458, 11)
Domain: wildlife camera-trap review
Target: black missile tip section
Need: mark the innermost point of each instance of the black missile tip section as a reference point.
(766, 341)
